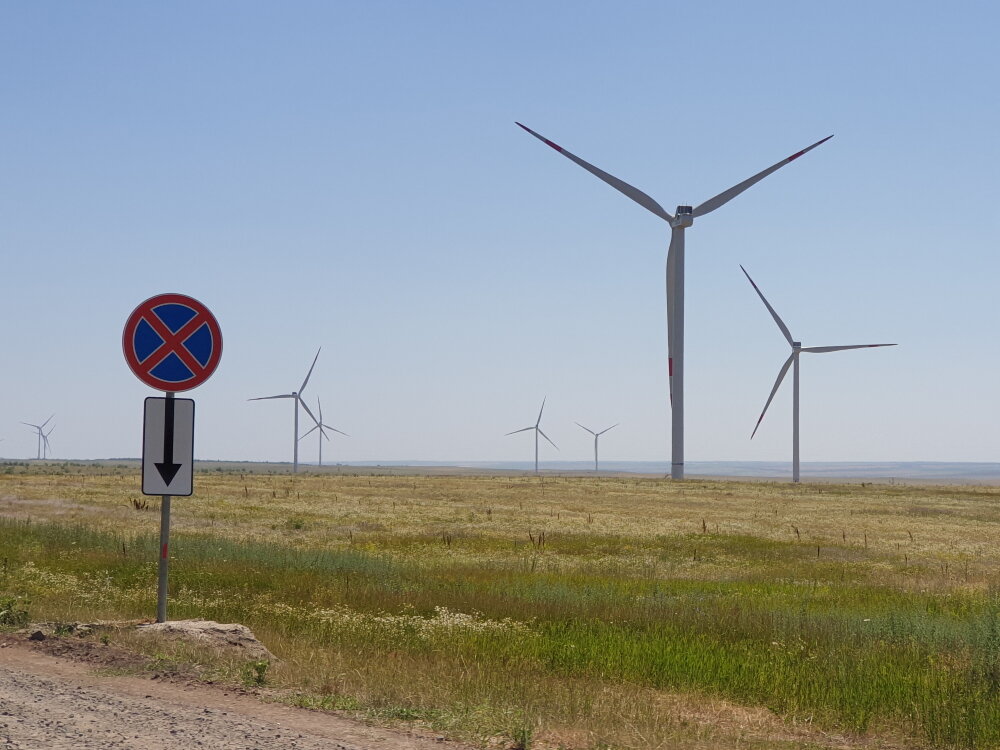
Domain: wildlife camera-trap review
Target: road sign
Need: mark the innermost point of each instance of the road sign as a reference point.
(172, 342)
(168, 446)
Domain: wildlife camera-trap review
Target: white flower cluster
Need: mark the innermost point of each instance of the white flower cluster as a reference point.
(443, 622)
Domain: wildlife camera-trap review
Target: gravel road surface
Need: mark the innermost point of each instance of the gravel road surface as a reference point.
(50, 703)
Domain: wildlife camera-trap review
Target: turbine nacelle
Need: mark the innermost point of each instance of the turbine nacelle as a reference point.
(683, 218)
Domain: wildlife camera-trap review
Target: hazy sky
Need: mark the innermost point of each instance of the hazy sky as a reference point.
(349, 175)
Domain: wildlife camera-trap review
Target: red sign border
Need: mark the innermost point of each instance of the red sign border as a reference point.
(146, 308)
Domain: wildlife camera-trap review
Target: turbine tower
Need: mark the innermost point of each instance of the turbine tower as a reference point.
(296, 397)
(538, 431)
(793, 361)
(596, 436)
(322, 430)
(43, 437)
(680, 221)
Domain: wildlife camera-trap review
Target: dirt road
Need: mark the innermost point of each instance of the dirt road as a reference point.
(55, 703)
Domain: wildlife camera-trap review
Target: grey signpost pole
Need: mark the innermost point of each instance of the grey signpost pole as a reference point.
(164, 567)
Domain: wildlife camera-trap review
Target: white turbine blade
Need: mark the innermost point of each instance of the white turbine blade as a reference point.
(623, 187)
(522, 430)
(727, 195)
(671, 299)
(306, 407)
(303, 386)
(539, 420)
(309, 432)
(37, 427)
(585, 428)
(609, 428)
(319, 409)
(781, 376)
(822, 349)
(779, 321)
(265, 398)
(546, 437)
(341, 432)
(47, 421)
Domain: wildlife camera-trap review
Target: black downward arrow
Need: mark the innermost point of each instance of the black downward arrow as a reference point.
(168, 469)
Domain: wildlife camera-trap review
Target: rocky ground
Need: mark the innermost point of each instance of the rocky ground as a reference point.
(58, 693)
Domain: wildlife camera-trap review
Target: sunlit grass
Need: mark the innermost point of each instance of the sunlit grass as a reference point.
(491, 606)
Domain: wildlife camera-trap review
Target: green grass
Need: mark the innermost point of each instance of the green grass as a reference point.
(828, 645)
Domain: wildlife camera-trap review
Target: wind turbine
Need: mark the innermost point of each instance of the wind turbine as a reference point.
(46, 446)
(296, 396)
(683, 219)
(538, 431)
(596, 435)
(322, 432)
(43, 438)
(793, 361)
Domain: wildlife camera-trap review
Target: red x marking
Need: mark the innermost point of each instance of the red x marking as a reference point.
(174, 343)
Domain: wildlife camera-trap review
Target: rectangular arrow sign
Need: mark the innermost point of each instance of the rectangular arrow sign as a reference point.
(168, 446)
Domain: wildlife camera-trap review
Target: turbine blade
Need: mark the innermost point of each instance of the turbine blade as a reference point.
(779, 321)
(517, 431)
(671, 318)
(609, 428)
(306, 407)
(265, 398)
(319, 409)
(623, 187)
(727, 195)
(336, 430)
(309, 431)
(585, 428)
(781, 376)
(303, 386)
(822, 349)
(47, 421)
(539, 420)
(546, 437)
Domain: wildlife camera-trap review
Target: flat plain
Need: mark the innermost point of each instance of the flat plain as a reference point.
(577, 612)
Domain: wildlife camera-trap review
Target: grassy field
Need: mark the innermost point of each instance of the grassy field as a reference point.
(557, 612)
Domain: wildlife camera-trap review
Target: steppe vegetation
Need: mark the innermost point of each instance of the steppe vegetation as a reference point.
(556, 611)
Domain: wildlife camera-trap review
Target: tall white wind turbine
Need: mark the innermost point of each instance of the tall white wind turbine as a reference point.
(296, 397)
(596, 436)
(793, 362)
(538, 431)
(683, 219)
(322, 427)
(43, 439)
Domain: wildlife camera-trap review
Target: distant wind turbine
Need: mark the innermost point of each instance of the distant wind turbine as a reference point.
(596, 436)
(683, 219)
(296, 396)
(793, 361)
(322, 430)
(43, 437)
(538, 431)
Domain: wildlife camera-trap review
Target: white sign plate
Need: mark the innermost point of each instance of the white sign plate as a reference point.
(168, 446)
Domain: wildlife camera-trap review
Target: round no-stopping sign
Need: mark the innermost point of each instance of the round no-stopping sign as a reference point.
(172, 342)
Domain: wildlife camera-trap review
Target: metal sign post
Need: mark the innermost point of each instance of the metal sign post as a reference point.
(164, 566)
(171, 342)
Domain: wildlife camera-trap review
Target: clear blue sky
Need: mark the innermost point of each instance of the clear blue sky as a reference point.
(348, 175)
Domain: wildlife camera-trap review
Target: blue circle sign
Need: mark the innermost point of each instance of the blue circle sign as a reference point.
(172, 342)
